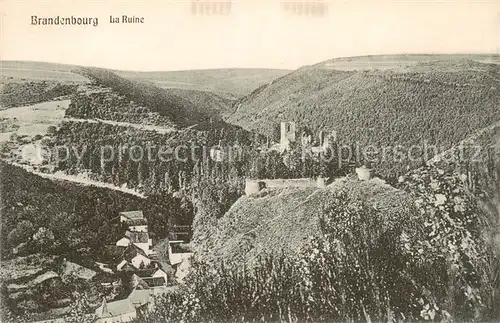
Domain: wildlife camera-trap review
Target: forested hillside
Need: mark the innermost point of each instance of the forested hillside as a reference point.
(357, 250)
(168, 103)
(141, 159)
(438, 102)
(107, 105)
(14, 94)
(81, 219)
(426, 248)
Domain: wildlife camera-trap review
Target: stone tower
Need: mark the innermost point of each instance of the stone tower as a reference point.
(287, 134)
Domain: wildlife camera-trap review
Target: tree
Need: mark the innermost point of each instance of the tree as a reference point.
(44, 238)
(22, 233)
(79, 310)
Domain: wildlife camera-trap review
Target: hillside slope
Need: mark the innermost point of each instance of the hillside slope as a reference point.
(478, 159)
(181, 106)
(440, 102)
(283, 219)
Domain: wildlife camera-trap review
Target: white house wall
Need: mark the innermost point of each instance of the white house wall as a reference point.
(160, 273)
(137, 260)
(138, 228)
(144, 246)
(177, 258)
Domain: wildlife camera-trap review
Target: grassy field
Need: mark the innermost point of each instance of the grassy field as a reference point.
(32, 120)
(15, 71)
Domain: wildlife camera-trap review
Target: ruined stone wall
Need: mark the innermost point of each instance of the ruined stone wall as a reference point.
(253, 187)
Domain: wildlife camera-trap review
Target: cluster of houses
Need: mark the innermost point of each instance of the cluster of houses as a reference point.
(136, 242)
(147, 278)
(126, 310)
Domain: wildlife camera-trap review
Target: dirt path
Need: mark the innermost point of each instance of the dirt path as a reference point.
(138, 126)
(59, 176)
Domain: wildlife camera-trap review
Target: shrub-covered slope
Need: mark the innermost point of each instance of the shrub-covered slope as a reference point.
(476, 161)
(283, 219)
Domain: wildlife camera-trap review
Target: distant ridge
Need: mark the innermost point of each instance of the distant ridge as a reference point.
(227, 82)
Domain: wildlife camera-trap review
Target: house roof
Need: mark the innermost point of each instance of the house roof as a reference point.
(124, 238)
(125, 265)
(143, 221)
(149, 282)
(140, 297)
(115, 308)
(139, 283)
(159, 269)
(133, 214)
(132, 251)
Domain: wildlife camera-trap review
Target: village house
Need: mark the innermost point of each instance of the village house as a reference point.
(134, 256)
(137, 233)
(138, 225)
(117, 311)
(144, 299)
(138, 239)
(139, 301)
(131, 215)
(179, 256)
(149, 278)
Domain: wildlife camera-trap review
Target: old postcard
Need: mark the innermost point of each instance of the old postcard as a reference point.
(250, 161)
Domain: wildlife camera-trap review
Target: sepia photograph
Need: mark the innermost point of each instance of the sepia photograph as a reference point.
(249, 161)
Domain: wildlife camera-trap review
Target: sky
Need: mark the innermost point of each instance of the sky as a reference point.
(254, 34)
